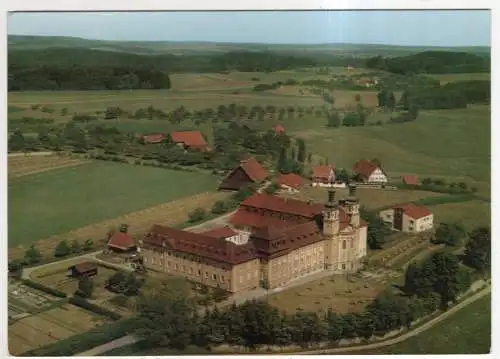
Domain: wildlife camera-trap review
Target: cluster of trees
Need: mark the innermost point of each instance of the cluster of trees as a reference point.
(442, 186)
(452, 95)
(64, 249)
(431, 62)
(85, 69)
(292, 157)
(377, 230)
(429, 286)
(81, 77)
(127, 284)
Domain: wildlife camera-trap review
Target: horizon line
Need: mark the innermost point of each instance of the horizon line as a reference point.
(250, 43)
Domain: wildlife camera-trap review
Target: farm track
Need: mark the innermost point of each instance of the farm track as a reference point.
(169, 214)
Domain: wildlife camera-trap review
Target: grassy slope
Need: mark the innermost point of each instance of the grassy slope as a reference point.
(466, 332)
(448, 143)
(61, 200)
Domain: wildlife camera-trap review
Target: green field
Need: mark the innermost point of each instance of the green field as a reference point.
(445, 78)
(57, 201)
(466, 332)
(453, 144)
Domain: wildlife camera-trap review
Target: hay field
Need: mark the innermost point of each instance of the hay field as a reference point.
(369, 198)
(50, 326)
(58, 201)
(19, 166)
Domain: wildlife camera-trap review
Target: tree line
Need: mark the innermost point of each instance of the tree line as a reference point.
(431, 62)
(85, 69)
(429, 286)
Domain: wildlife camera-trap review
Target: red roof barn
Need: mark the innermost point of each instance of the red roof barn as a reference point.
(367, 171)
(290, 180)
(121, 241)
(279, 129)
(410, 180)
(249, 171)
(323, 174)
(190, 140)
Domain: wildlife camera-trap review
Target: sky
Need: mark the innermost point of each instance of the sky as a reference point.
(409, 28)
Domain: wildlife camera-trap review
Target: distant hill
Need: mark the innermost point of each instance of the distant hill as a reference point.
(432, 62)
(22, 42)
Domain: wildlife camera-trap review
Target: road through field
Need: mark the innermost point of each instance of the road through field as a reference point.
(130, 339)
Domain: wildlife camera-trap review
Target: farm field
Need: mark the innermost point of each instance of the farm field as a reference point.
(471, 214)
(169, 214)
(466, 332)
(341, 293)
(369, 198)
(50, 326)
(58, 201)
(445, 78)
(19, 166)
(448, 143)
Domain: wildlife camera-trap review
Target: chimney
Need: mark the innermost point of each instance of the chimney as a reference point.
(331, 196)
(352, 190)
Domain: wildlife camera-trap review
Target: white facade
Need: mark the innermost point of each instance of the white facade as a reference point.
(241, 238)
(377, 176)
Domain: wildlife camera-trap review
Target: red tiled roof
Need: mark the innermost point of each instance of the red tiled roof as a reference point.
(221, 232)
(242, 217)
(254, 169)
(279, 128)
(410, 179)
(414, 211)
(364, 168)
(291, 180)
(283, 205)
(121, 240)
(189, 138)
(199, 244)
(153, 138)
(322, 172)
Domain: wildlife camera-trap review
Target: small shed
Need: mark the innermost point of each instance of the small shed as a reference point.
(121, 242)
(84, 269)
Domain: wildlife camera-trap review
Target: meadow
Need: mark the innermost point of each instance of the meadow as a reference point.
(53, 202)
(466, 332)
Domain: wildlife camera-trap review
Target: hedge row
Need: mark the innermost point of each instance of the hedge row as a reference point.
(81, 342)
(85, 304)
(44, 288)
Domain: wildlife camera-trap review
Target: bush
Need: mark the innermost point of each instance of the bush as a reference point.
(219, 207)
(197, 215)
(43, 288)
(85, 304)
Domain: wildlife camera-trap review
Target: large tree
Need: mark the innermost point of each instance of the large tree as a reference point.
(478, 249)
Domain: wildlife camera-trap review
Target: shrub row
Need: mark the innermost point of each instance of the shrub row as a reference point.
(44, 288)
(85, 304)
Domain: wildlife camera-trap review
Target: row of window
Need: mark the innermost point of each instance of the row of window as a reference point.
(186, 269)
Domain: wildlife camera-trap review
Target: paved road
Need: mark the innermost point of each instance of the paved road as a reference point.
(407, 335)
(130, 339)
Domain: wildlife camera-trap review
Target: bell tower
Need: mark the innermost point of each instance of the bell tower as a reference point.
(352, 207)
(331, 216)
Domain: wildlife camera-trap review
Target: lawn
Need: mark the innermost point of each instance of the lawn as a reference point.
(466, 332)
(57, 201)
(471, 213)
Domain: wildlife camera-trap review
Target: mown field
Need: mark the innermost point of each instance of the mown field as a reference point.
(48, 203)
(466, 332)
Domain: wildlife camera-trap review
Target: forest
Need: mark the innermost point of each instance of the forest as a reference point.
(432, 62)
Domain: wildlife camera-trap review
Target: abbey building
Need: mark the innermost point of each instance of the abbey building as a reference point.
(268, 242)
